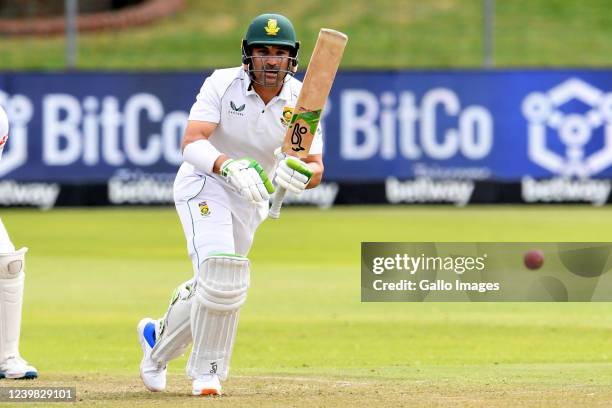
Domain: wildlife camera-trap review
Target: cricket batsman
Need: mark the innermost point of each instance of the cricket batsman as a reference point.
(12, 268)
(222, 193)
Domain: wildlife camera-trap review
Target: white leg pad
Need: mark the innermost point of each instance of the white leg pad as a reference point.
(12, 276)
(173, 334)
(220, 292)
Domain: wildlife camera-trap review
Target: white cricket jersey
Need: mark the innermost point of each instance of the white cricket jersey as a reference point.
(4, 129)
(246, 126)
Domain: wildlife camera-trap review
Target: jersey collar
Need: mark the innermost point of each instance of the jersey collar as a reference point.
(246, 81)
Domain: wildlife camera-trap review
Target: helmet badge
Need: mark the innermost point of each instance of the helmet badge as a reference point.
(272, 28)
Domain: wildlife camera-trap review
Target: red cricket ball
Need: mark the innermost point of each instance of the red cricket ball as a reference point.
(533, 259)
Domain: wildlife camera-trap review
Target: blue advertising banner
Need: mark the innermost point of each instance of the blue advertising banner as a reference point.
(501, 125)
(498, 125)
(84, 127)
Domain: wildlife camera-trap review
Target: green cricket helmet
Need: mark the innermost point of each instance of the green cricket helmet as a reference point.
(270, 29)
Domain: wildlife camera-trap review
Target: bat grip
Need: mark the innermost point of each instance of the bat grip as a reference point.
(277, 202)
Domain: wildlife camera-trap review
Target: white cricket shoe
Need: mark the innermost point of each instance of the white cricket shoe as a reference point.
(153, 374)
(16, 367)
(208, 384)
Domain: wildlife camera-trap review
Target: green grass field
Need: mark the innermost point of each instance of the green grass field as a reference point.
(383, 34)
(305, 339)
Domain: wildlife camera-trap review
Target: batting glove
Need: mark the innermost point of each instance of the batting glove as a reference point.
(293, 174)
(249, 178)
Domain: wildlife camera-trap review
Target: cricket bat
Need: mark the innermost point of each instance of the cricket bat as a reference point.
(317, 83)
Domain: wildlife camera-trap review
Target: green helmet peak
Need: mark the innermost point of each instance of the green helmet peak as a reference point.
(271, 29)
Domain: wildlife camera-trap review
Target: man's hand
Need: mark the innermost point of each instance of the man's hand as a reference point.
(249, 178)
(293, 174)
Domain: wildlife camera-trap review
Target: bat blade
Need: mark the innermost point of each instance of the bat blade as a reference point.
(317, 84)
(306, 116)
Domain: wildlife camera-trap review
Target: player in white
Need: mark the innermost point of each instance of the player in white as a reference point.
(232, 141)
(12, 267)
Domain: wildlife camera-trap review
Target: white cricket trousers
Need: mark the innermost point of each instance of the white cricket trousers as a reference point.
(215, 218)
(6, 246)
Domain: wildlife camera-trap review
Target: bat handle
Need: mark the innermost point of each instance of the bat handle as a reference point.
(277, 202)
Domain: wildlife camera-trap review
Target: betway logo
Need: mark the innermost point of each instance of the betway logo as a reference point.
(424, 190)
(42, 195)
(564, 189)
(136, 187)
(393, 125)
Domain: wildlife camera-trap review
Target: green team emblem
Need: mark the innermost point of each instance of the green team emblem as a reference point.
(204, 209)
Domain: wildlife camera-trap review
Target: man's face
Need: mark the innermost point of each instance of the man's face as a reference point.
(270, 64)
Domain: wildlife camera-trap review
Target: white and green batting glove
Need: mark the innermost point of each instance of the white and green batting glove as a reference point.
(293, 174)
(249, 178)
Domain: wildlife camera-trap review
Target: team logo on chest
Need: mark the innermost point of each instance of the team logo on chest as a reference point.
(236, 110)
(287, 114)
(204, 210)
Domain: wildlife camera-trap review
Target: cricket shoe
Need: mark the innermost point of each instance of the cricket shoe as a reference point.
(153, 374)
(208, 384)
(17, 368)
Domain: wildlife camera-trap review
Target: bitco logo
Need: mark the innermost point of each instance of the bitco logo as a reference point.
(548, 117)
(392, 125)
(93, 131)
